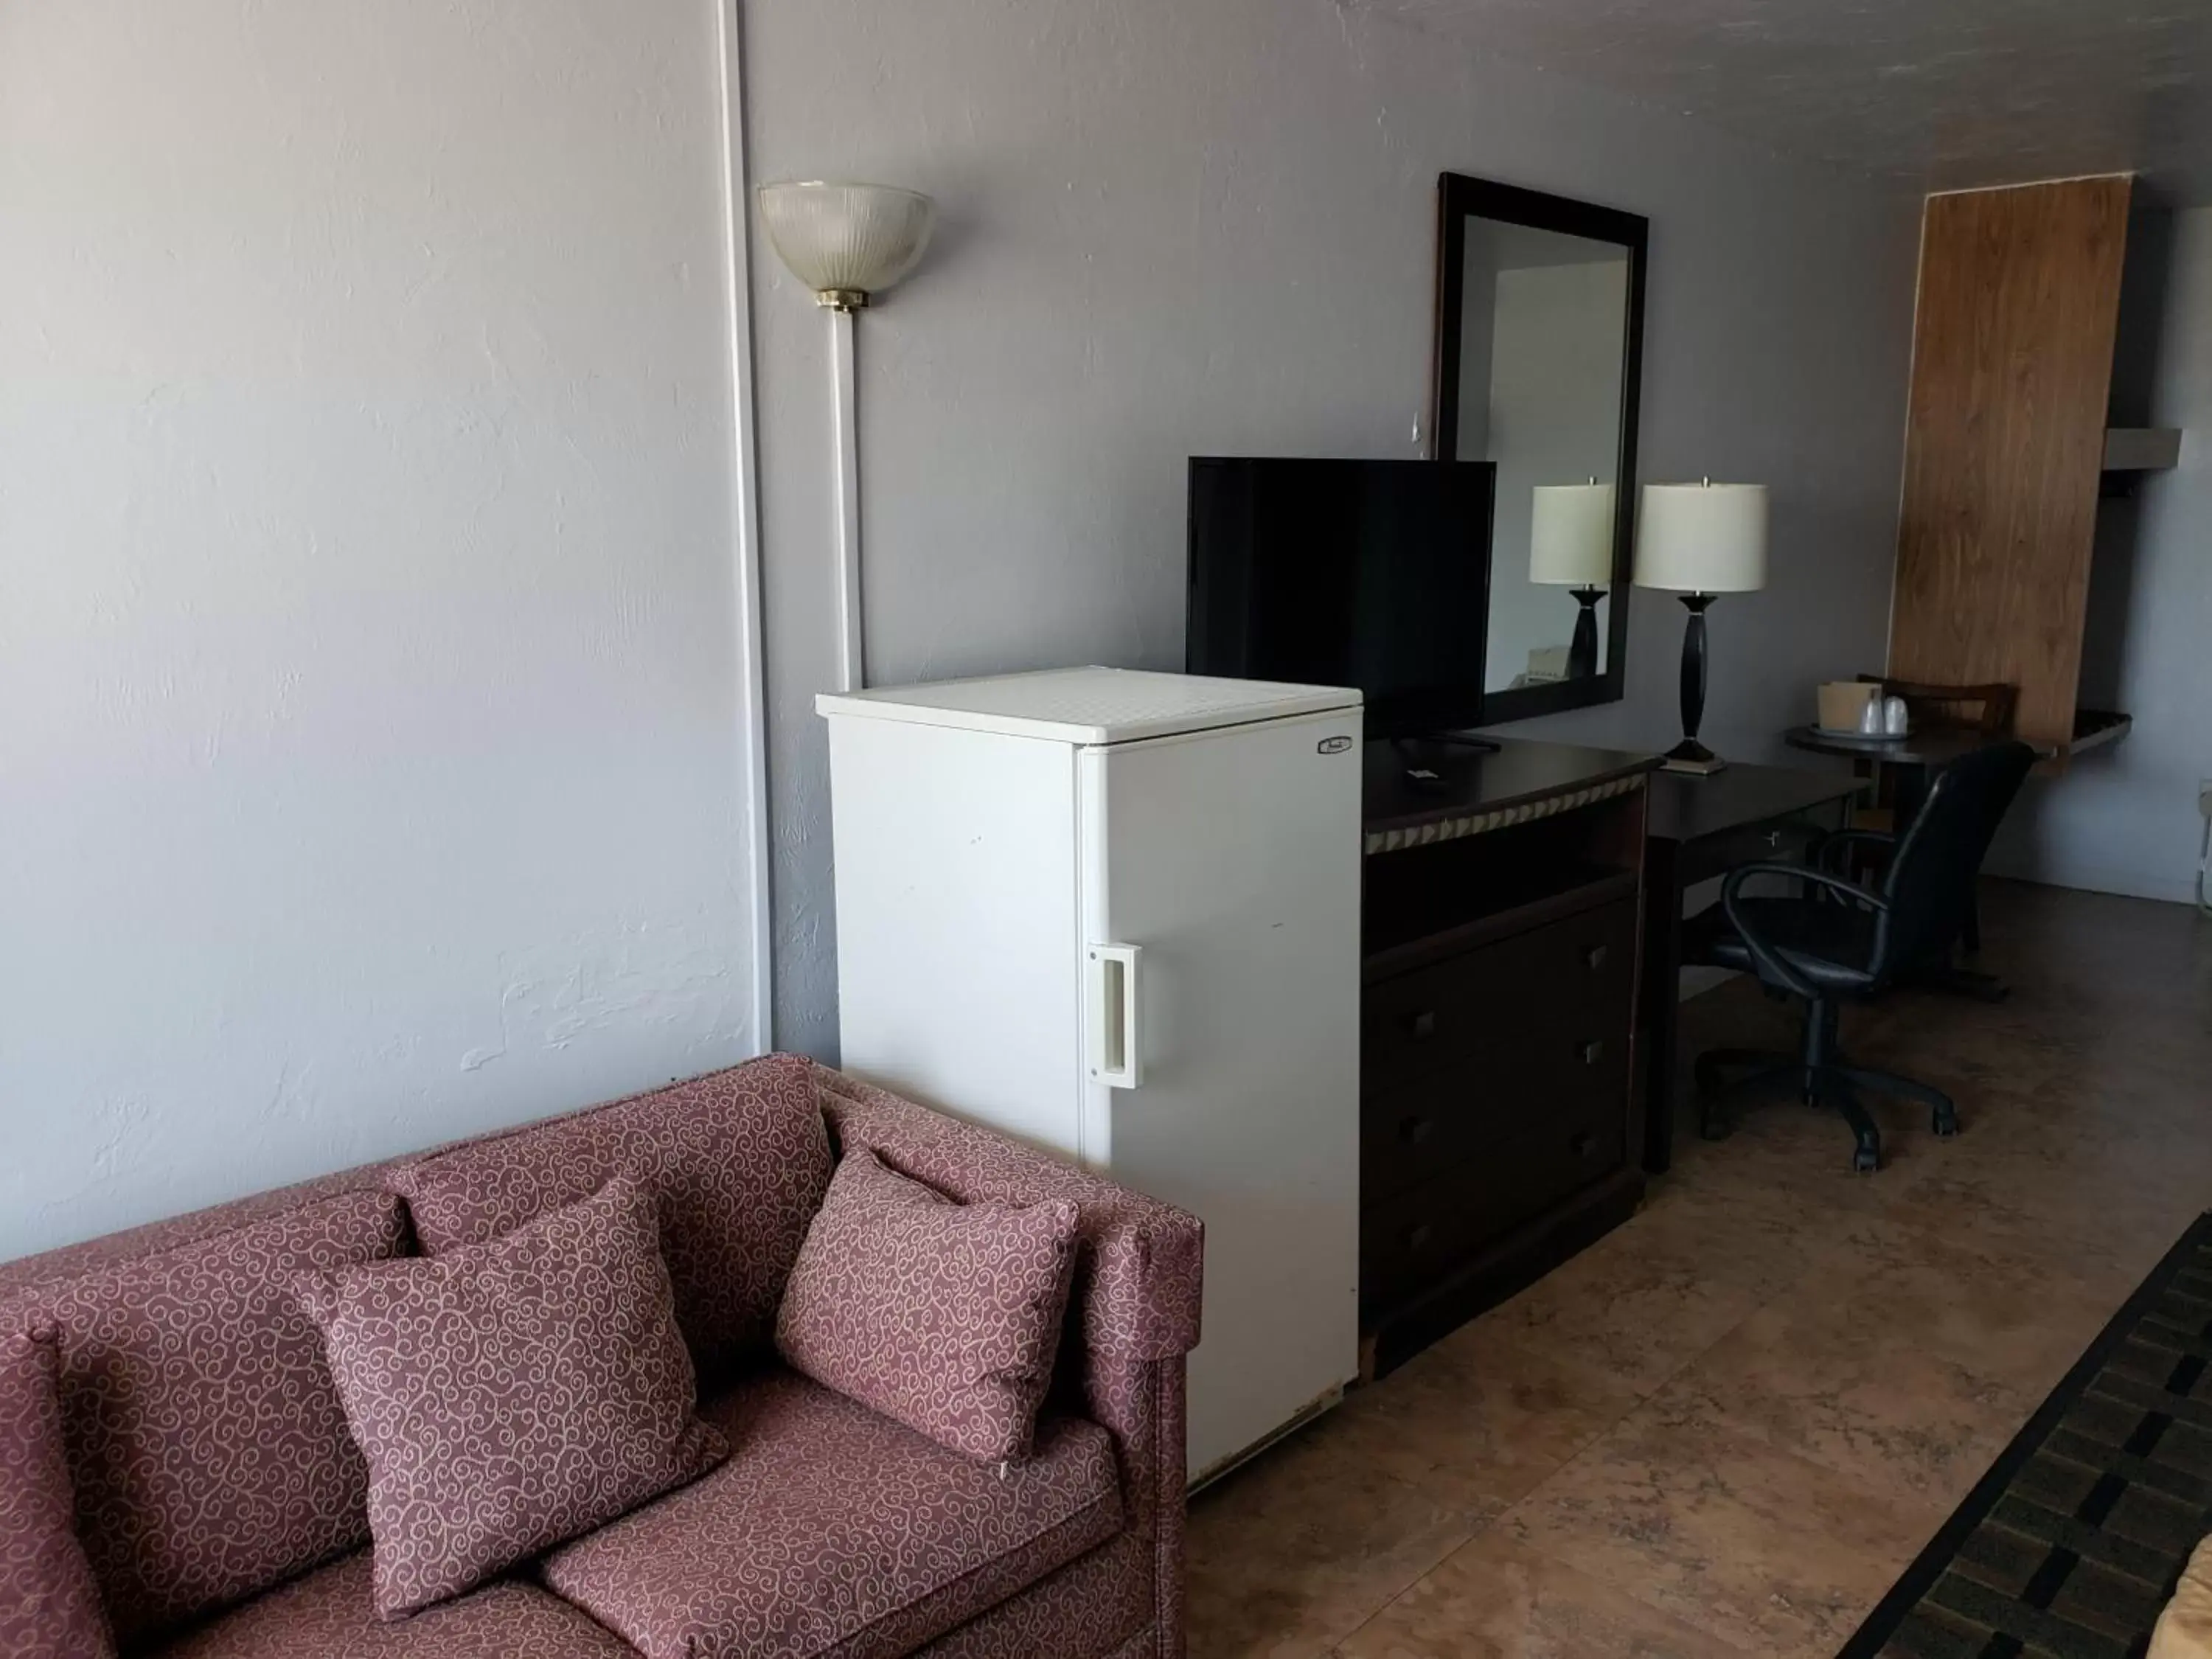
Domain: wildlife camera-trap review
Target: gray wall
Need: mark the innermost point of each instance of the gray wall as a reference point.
(1175, 228)
(372, 704)
(2124, 819)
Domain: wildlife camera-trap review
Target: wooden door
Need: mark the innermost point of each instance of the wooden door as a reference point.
(2011, 367)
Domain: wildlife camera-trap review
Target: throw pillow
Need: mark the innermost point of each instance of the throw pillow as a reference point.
(944, 1316)
(738, 1161)
(49, 1606)
(511, 1395)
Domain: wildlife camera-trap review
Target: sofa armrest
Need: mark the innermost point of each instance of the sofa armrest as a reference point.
(1135, 1302)
(1139, 1288)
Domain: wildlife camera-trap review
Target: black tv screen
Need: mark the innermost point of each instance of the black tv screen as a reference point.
(1366, 574)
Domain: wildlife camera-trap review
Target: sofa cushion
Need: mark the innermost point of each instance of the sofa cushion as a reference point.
(942, 1316)
(49, 1605)
(834, 1531)
(738, 1160)
(206, 1439)
(328, 1615)
(512, 1396)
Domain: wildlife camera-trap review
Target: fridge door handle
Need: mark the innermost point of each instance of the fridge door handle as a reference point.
(1117, 1055)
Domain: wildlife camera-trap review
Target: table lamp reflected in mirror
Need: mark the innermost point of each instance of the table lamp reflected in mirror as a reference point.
(1570, 546)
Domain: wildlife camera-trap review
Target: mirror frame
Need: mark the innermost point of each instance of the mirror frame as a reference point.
(1460, 198)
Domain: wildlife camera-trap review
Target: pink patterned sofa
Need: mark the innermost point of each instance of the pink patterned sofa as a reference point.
(222, 1504)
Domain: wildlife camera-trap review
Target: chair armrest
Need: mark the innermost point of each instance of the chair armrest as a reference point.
(1139, 1269)
(1762, 950)
(1841, 838)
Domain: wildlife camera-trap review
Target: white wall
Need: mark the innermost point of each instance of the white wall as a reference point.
(2124, 819)
(371, 703)
(1174, 228)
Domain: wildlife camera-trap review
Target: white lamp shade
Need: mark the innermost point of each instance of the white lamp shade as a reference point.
(1570, 536)
(1702, 538)
(843, 238)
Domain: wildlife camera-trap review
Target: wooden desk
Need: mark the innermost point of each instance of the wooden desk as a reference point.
(1699, 828)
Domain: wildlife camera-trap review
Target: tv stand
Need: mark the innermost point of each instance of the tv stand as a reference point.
(1499, 1108)
(1442, 772)
(1450, 740)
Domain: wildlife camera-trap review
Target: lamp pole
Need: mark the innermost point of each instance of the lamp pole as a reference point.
(846, 241)
(852, 666)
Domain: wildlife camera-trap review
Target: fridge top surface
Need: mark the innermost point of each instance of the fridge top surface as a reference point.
(1089, 705)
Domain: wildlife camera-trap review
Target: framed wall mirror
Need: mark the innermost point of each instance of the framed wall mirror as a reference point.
(1540, 334)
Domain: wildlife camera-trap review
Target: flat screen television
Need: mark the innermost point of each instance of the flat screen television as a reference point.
(1366, 574)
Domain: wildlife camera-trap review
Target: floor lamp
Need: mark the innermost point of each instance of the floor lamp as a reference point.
(846, 242)
(1699, 540)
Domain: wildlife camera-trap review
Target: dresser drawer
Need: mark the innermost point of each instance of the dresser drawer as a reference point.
(1411, 1129)
(1417, 1237)
(1568, 979)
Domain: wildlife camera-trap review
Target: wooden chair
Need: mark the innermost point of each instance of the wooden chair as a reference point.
(1985, 710)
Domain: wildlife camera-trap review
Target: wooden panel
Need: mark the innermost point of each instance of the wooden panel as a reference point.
(2012, 369)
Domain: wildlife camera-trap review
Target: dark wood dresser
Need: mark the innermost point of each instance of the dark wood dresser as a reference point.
(1498, 1100)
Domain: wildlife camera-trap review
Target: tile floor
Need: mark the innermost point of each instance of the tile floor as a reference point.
(1726, 1427)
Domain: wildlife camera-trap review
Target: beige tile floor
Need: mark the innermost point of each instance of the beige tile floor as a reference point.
(1726, 1427)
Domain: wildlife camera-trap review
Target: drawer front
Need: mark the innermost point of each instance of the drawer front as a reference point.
(1789, 842)
(1567, 979)
(1457, 1058)
(1417, 1237)
(1409, 1131)
(1451, 1016)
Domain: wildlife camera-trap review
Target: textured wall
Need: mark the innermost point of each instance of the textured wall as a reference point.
(370, 691)
(2124, 819)
(1177, 228)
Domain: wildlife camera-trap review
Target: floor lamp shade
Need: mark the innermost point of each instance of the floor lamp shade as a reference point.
(847, 241)
(1699, 540)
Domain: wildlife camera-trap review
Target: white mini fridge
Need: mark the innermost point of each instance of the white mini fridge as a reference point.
(1116, 915)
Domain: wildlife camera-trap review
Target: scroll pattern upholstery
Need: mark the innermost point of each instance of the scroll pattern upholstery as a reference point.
(206, 1444)
(942, 1316)
(1133, 1313)
(1141, 1282)
(738, 1160)
(1090, 1608)
(512, 1396)
(834, 1533)
(328, 1615)
(173, 1232)
(49, 1605)
(1119, 1365)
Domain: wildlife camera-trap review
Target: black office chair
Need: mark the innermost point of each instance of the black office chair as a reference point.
(1839, 939)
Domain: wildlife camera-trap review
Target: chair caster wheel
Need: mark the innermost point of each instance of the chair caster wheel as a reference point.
(1865, 1160)
(1947, 1124)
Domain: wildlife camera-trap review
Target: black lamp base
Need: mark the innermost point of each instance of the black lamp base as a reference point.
(1691, 757)
(1581, 653)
